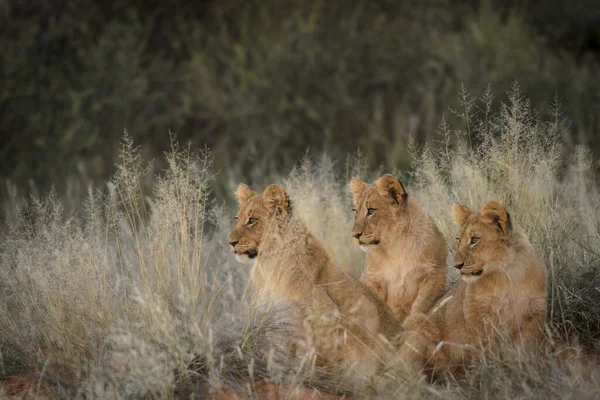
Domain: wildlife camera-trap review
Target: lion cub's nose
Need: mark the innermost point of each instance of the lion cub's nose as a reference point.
(357, 235)
(233, 242)
(459, 266)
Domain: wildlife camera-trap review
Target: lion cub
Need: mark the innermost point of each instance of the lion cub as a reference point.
(406, 252)
(292, 268)
(503, 286)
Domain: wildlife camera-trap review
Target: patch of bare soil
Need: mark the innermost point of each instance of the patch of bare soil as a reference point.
(26, 387)
(262, 391)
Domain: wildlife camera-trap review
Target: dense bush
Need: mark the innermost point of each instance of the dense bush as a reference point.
(249, 78)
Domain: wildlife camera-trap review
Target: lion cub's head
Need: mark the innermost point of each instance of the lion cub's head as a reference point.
(256, 215)
(379, 210)
(483, 241)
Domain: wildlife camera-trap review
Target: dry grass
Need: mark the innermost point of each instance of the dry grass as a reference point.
(138, 296)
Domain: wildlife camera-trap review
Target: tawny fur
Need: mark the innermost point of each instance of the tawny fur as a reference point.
(503, 287)
(292, 268)
(406, 252)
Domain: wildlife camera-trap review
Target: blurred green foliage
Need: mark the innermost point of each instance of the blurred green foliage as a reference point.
(259, 82)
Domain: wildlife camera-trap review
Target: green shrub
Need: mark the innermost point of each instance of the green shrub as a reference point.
(249, 78)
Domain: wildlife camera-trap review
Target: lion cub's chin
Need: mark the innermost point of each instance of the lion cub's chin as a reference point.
(367, 247)
(244, 258)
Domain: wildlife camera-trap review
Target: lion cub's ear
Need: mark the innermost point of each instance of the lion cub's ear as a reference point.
(356, 187)
(460, 214)
(391, 188)
(495, 213)
(276, 198)
(243, 193)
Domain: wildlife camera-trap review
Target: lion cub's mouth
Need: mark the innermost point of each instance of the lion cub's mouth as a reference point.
(368, 246)
(252, 253)
(373, 242)
(245, 256)
(469, 274)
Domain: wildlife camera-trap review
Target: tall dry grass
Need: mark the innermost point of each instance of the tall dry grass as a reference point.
(138, 296)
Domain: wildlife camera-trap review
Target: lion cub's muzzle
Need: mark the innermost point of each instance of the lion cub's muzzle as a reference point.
(366, 241)
(243, 252)
(471, 270)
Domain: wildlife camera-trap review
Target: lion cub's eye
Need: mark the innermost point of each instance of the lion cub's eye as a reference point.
(251, 221)
(474, 240)
(354, 211)
(236, 218)
(371, 211)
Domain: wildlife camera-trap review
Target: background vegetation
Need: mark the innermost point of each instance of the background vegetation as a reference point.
(252, 78)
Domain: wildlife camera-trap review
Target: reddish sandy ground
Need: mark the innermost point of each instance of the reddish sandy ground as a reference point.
(26, 387)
